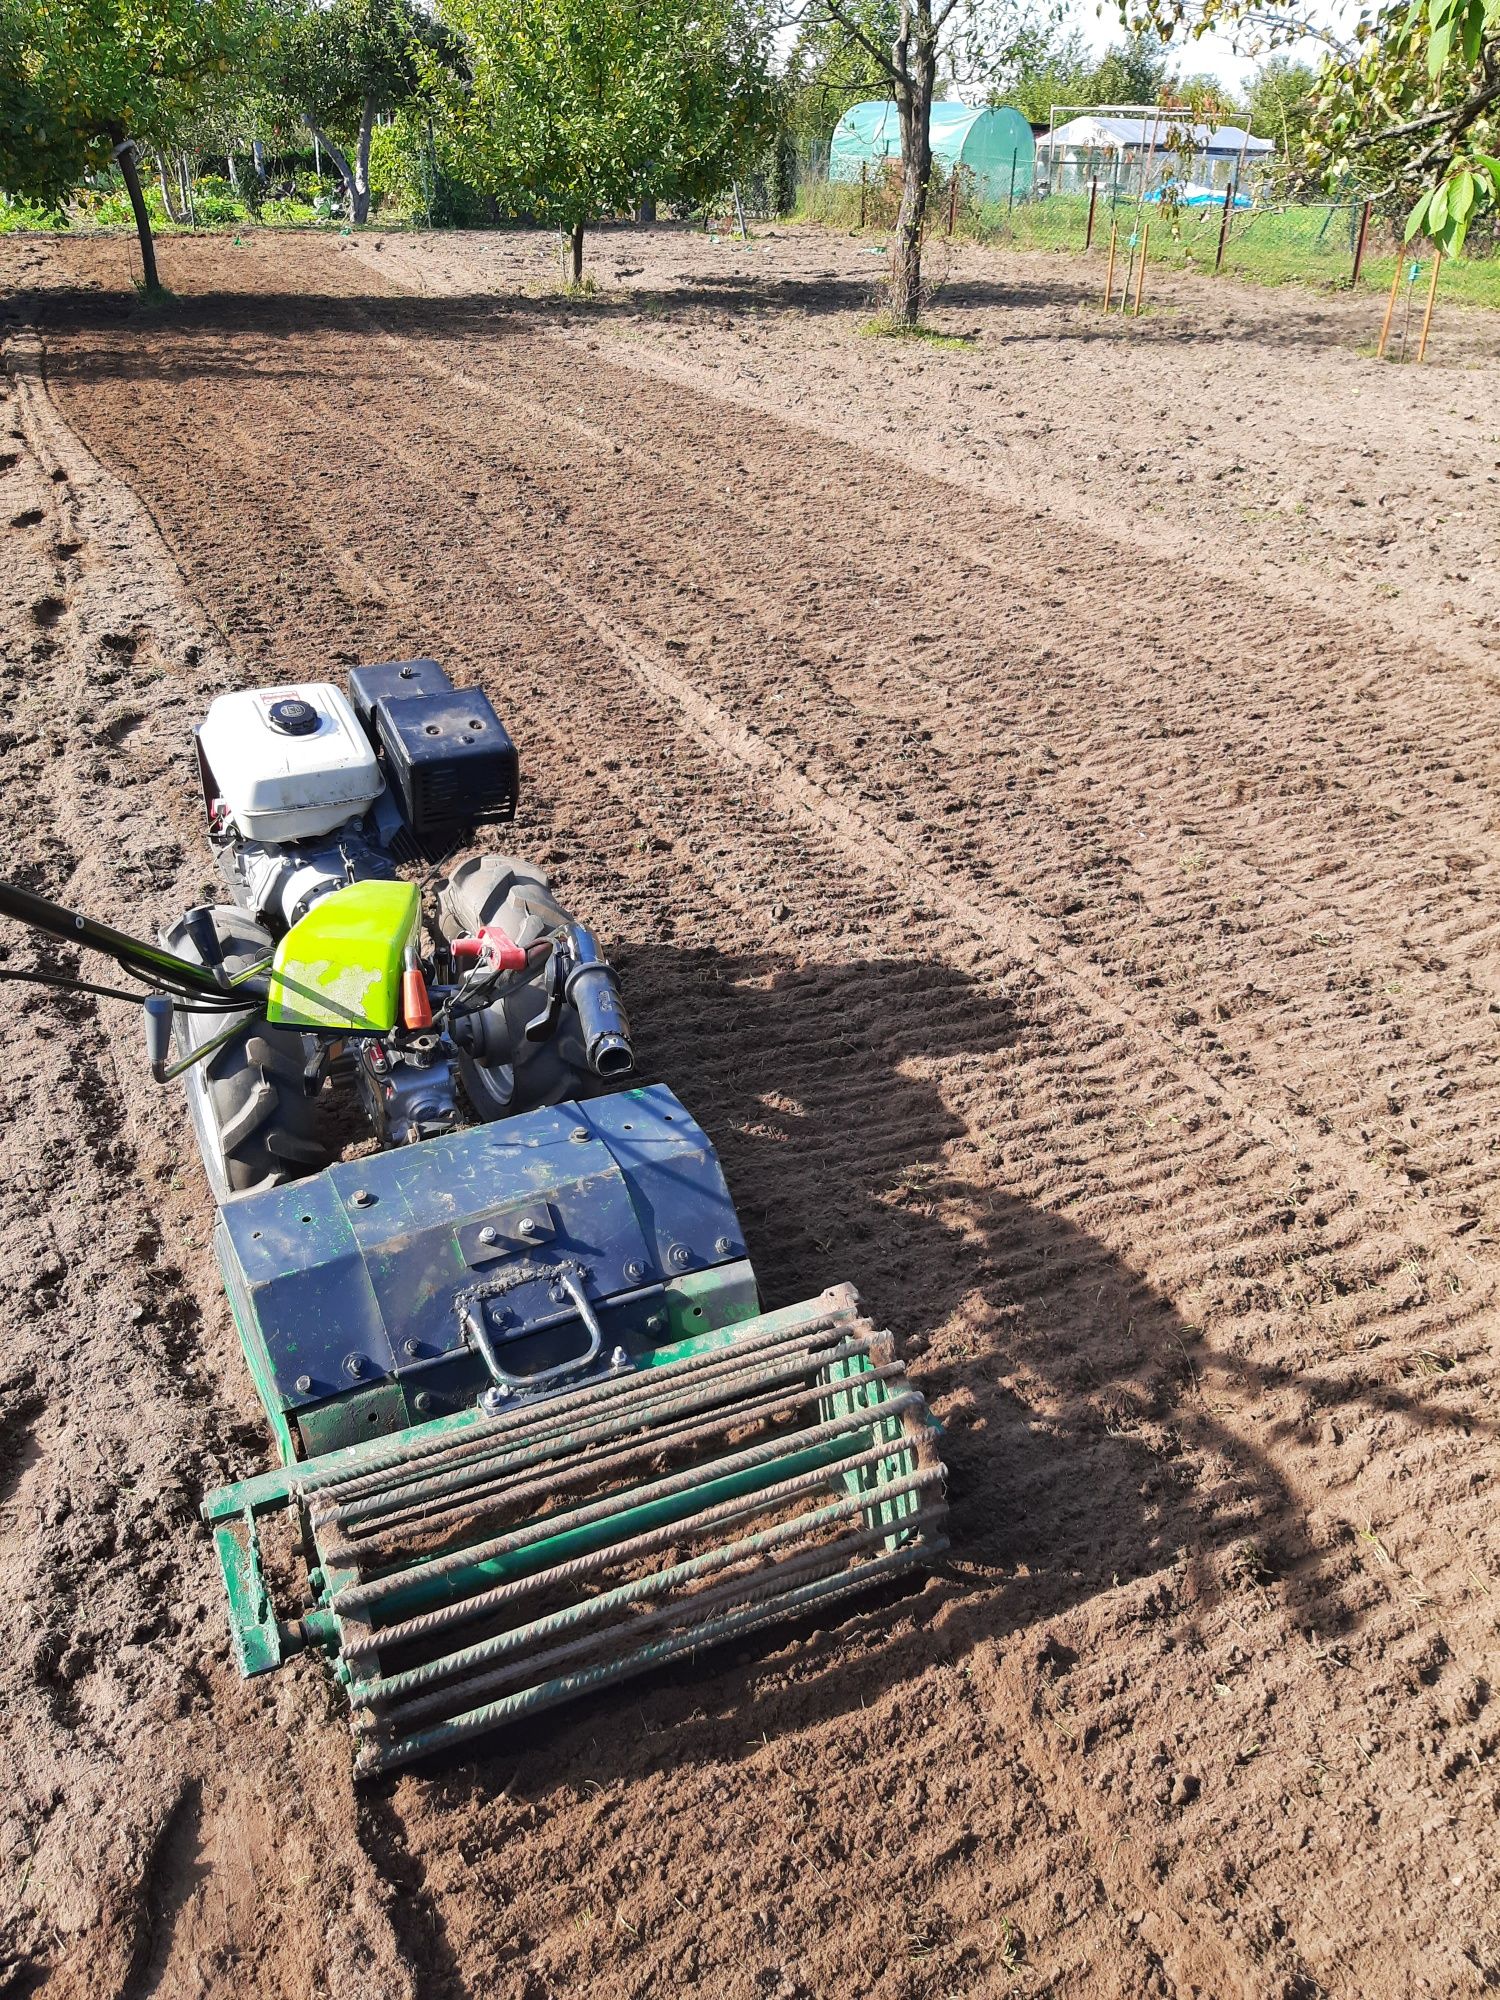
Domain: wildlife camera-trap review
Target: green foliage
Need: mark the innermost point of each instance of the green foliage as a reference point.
(1281, 101)
(1135, 71)
(829, 70)
(328, 60)
(71, 70)
(414, 173)
(574, 109)
(109, 207)
(1056, 69)
(1408, 109)
(48, 137)
(16, 215)
(1053, 66)
(215, 202)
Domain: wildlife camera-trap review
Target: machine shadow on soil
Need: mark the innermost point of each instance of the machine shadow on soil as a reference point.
(1103, 1477)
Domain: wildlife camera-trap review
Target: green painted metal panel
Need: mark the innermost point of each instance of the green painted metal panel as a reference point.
(341, 966)
(376, 1412)
(253, 1629)
(705, 1304)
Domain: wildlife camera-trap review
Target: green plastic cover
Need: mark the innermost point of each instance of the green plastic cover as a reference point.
(340, 967)
(993, 143)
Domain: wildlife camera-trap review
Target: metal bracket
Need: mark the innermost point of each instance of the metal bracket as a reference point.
(508, 1232)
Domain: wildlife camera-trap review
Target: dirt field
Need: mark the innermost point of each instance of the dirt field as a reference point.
(1042, 795)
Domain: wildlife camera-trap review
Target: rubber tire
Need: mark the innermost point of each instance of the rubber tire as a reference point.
(256, 1125)
(516, 894)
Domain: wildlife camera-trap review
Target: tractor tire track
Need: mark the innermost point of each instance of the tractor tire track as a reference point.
(1201, 1351)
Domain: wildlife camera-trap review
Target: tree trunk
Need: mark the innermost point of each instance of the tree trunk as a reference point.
(362, 163)
(647, 210)
(916, 65)
(166, 189)
(575, 243)
(340, 161)
(125, 154)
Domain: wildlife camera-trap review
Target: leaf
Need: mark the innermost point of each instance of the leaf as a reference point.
(1437, 209)
(1439, 46)
(1418, 216)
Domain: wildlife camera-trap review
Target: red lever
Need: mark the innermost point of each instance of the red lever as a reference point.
(416, 1008)
(491, 944)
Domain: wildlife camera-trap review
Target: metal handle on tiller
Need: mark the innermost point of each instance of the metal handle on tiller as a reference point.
(472, 1317)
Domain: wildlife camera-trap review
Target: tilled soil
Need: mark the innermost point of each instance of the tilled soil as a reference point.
(1080, 937)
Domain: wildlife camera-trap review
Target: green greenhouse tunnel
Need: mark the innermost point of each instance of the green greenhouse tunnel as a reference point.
(994, 144)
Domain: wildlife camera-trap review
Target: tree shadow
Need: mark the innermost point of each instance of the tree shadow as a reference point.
(101, 335)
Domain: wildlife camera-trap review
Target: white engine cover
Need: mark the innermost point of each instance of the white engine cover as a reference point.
(283, 783)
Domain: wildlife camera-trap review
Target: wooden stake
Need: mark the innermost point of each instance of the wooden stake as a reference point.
(1390, 307)
(952, 196)
(862, 194)
(1437, 265)
(1140, 277)
(1359, 247)
(1224, 228)
(1109, 275)
(1088, 234)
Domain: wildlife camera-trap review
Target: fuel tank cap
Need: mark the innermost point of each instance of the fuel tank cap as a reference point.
(293, 717)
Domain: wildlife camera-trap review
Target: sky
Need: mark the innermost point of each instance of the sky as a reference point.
(1214, 54)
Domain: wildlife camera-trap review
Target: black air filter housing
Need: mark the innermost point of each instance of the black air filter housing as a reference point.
(396, 678)
(449, 760)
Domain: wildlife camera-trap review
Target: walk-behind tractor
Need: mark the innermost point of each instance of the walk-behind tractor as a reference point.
(536, 1432)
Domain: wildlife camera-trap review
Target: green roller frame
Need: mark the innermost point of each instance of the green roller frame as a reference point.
(473, 1570)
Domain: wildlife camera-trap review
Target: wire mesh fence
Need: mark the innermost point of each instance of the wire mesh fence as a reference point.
(1204, 220)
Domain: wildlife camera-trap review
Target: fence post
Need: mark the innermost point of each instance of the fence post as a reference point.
(1109, 275)
(952, 195)
(1437, 265)
(1140, 280)
(1015, 161)
(862, 173)
(1224, 227)
(1359, 247)
(1390, 307)
(1088, 234)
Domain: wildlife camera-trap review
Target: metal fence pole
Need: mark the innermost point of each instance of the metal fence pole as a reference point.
(1359, 247)
(862, 172)
(1015, 161)
(1224, 227)
(952, 195)
(1088, 234)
